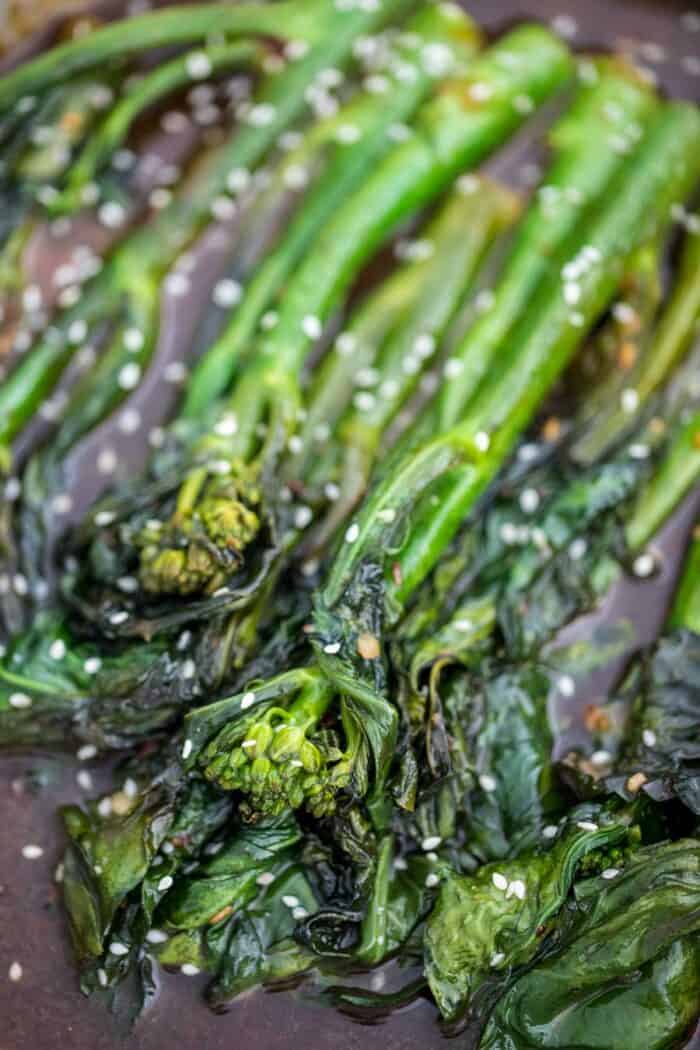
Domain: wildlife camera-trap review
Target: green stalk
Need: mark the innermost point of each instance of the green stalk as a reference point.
(618, 104)
(150, 89)
(449, 137)
(148, 254)
(371, 116)
(671, 339)
(680, 471)
(462, 233)
(307, 21)
(467, 456)
(685, 614)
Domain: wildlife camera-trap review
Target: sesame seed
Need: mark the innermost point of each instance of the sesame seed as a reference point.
(499, 881)
(497, 958)
(86, 752)
(20, 700)
(566, 685)
(198, 65)
(92, 665)
(468, 184)
(57, 649)
(453, 367)
(487, 782)
(189, 669)
(156, 937)
(312, 326)
(643, 565)
(118, 617)
(430, 843)
(649, 738)
(261, 115)
(290, 901)
(565, 25)
(177, 284)
(586, 825)
(352, 533)
(482, 441)
(15, 971)
(189, 969)
(387, 515)
(550, 831)
(268, 320)
(432, 879)
(165, 883)
(610, 873)
(129, 421)
(577, 549)
(601, 758)
(104, 807)
(84, 780)
(223, 208)
(265, 879)
(32, 852)
(332, 648)
(529, 500)
(247, 700)
(111, 214)
(516, 888)
(175, 372)
(249, 743)
(299, 913)
(480, 92)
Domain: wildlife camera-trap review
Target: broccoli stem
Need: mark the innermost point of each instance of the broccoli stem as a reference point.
(150, 89)
(583, 166)
(147, 255)
(685, 613)
(678, 473)
(308, 21)
(370, 117)
(637, 205)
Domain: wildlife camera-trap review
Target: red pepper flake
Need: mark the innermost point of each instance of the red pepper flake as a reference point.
(220, 915)
(396, 574)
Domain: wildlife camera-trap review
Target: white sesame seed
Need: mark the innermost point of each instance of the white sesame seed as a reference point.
(249, 743)
(32, 852)
(482, 441)
(189, 969)
(387, 515)
(198, 65)
(480, 92)
(20, 700)
(430, 843)
(129, 376)
(453, 367)
(550, 831)
(487, 782)
(165, 883)
(566, 685)
(15, 971)
(177, 284)
(265, 879)
(102, 977)
(610, 873)
(601, 758)
(104, 807)
(223, 208)
(332, 648)
(643, 565)
(345, 343)
(261, 115)
(586, 825)
(156, 937)
(268, 320)
(629, 400)
(497, 958)
(299, 913)
(84, 780)
(529, 500)
(352, 533)
(111, 214)
(104, 517)
(57, 649)
(227, 292)
(577, 549)
(189, 669)
(468, 184)
(312, 326)
(516, 888)
(290, 901)
(175, 372)
(499, 881)
(77, 331)
(247, 700)
(129, 421)
(86, 752)
(638, 451)
(92, 665)
(432, 879)
(118, 617)
(649, 738)
(565, 25)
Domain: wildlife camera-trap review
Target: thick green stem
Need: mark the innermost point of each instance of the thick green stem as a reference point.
(452, 132)
(583, 166)
(152, 87)
(369, 117)
(292, 20)
(470, 454)
(671, 339)
(678, 473)
(685, 613)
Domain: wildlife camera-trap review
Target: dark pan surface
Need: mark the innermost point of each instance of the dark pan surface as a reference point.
(45, 1010)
